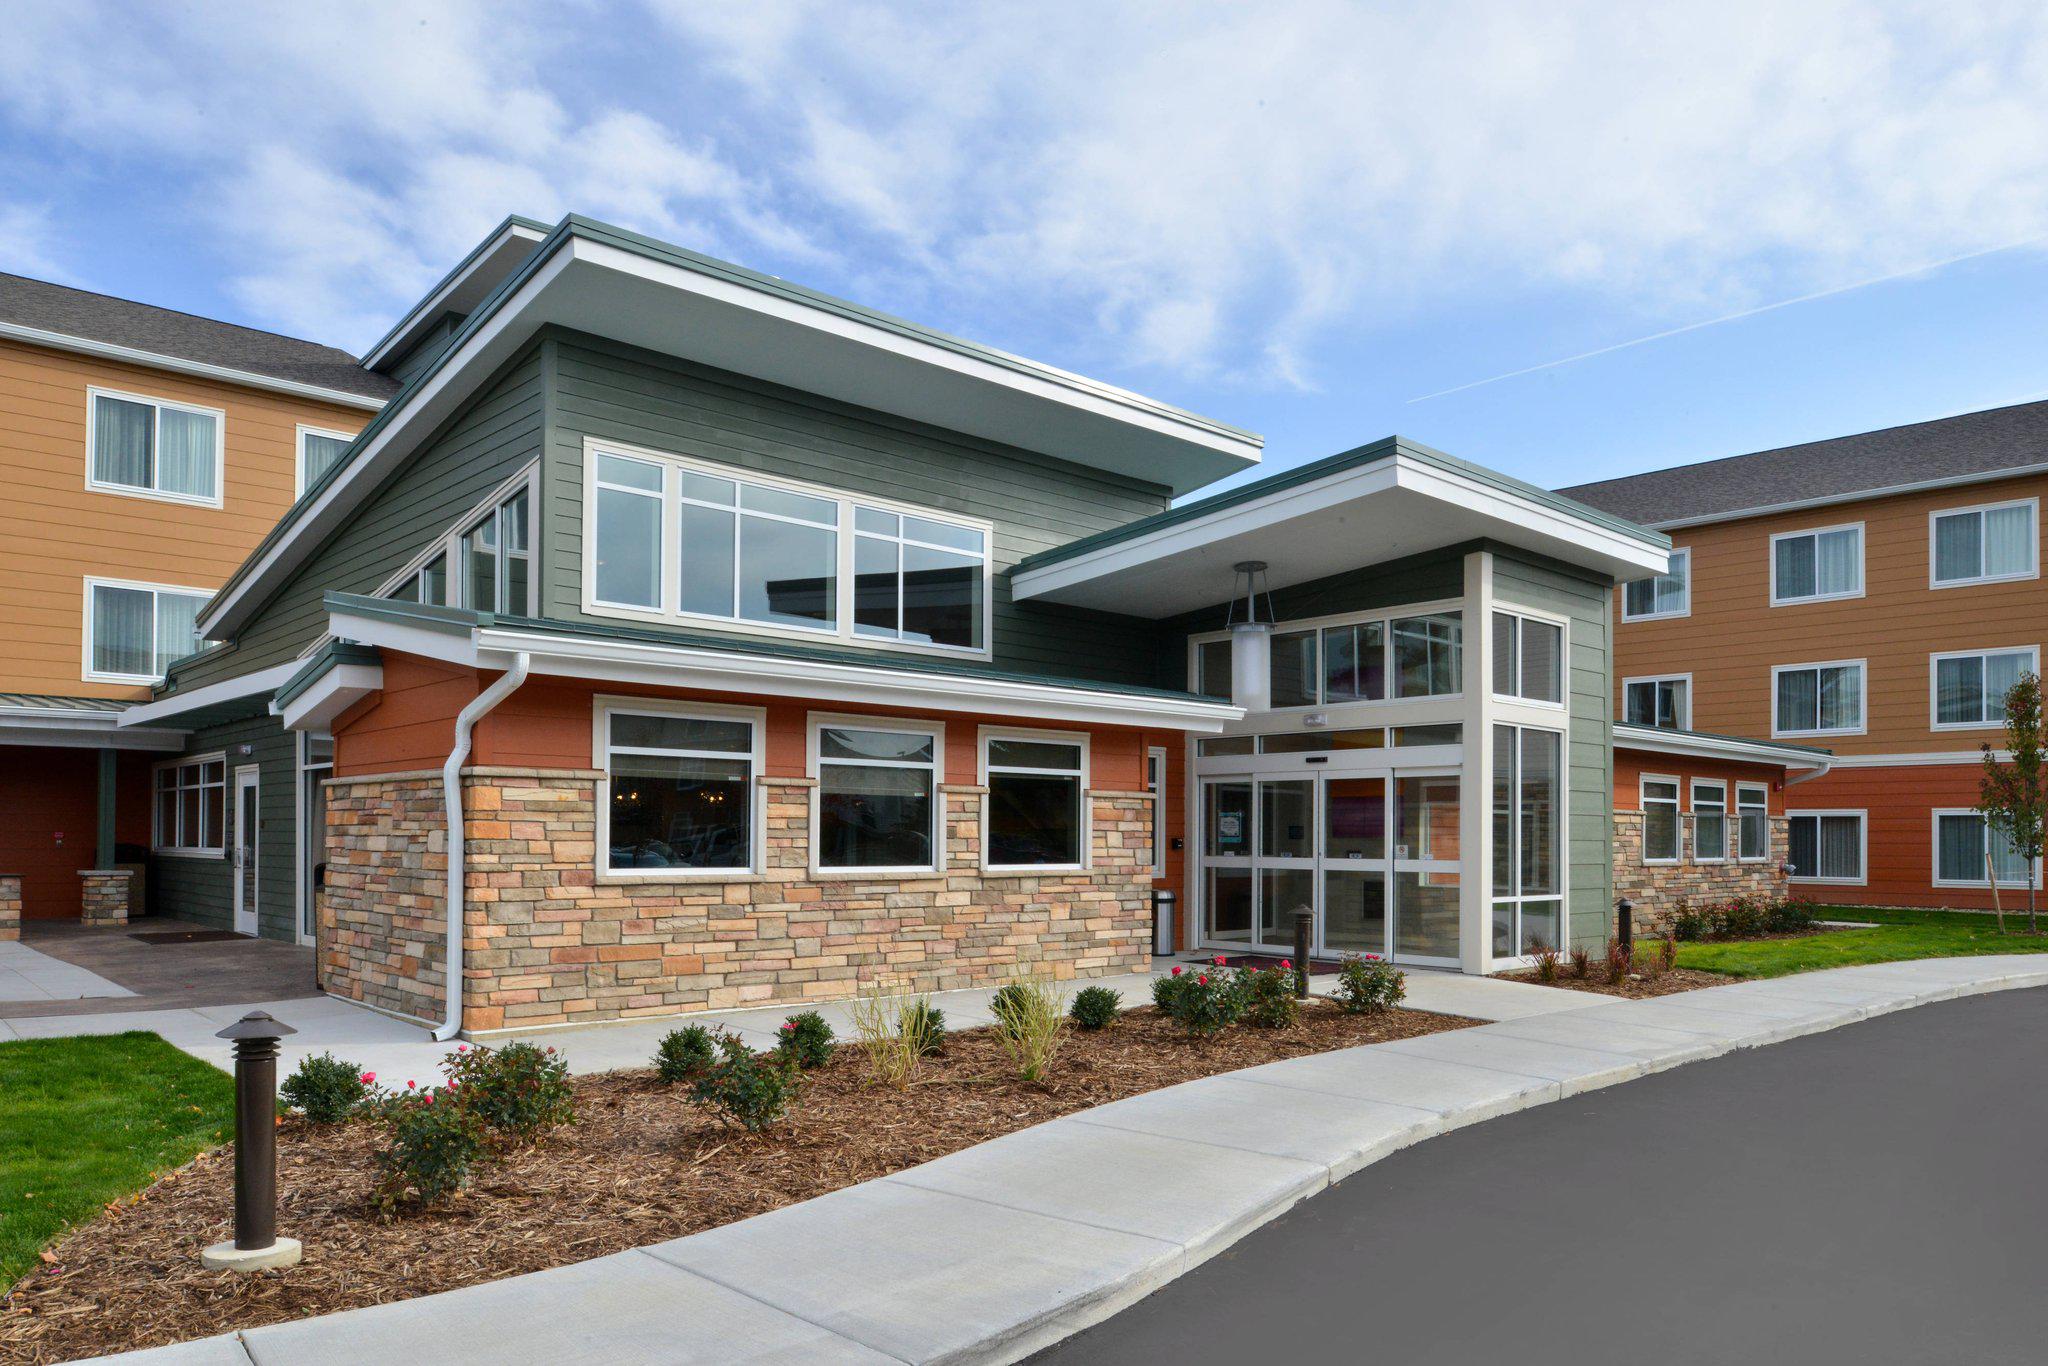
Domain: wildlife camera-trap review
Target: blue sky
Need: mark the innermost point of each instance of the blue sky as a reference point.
(1325, 222)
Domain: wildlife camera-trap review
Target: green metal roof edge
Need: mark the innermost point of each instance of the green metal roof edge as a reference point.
(510, 220)
(457, 620)
(1383, 449)
(330, 656)
(1732, 739)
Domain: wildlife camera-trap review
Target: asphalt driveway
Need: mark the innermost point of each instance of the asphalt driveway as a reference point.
(1878, 1193)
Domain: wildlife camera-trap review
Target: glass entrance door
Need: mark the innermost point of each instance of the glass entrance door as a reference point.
(1426, 846)
(1354, 862)
(1287, 857)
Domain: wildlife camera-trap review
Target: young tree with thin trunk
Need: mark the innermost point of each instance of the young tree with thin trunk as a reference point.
(2013, 797)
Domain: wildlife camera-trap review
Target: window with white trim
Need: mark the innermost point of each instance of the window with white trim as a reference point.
(1965, 853)
(1293, 675)
(155, 447)
(191, 802)
(1528, 840)
(1709, 820)
(319, 452)
(678, 790)
(1665, 595)
(1752, 822)
(1969, 689)
(1036, 800)
(484, 562)
(134, 632)
(1660, 820)
(1528, 658)
(878, 806)
(1665, 703)
(1815, 566)
(1413, 656)
(1817, 699)
(1212, 669)
(1825, 846)
(916, 579)
(1355, 662)
(1987, 544)
(1155, 784)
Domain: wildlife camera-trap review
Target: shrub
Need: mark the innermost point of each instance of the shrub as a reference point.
(1742, 918)
(1647, 961)
(752, 1090)
(518, 1090)
(1367, 985)
(1689, 925)
(1095, 1007)
(1546, 960)
(433, 1143)
(924, 1025)
(1267, 996)
(683, 1054)
(326, 1089)
(1205, 1003)
(1580, 961)
(1031, 1022)
(1789, 916)
(891, 1033)
(806, 1039)
(1618, 964)
(1163, 989)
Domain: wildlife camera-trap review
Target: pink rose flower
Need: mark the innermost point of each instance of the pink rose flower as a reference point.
(367, 1078)
(1176, 972)
(1203, 979)
(1287, 962)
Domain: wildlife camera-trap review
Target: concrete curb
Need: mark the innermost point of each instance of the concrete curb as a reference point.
(997, 1251)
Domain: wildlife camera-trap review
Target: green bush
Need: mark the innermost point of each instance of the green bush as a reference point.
(1204, 1004)
(1163, 989)
(806, 1039)
(1367, 984)
(1689, 925)
(1743, 918)
(433, 1144)
(749, 1089)
(924, 1025)
(327, 1089)
(1095, 1007)
(683, 1054)
(519, 1090)
(1267, 996)
(1788, 916)
(1009, 998)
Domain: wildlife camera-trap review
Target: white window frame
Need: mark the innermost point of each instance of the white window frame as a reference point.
(2033, 570)
(1862, 819)
(603, 708)
(1520, 899)
(1156, 764)
(1762, 793)
(841, 631)
(1700, 786)
(1862, 563)
(1679, 555)
(299, 463)
(94, 393)
(819, 722)
(1984, 830)
(1862, 666)
(449, 543)
(226, 784)
(2033, 653)
(1386, 617)
(1086, 842)
(1684, 722)
(92, 675)
(1564, 645)
(1643, 803)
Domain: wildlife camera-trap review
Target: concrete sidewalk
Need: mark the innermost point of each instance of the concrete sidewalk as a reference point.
(991, 1253)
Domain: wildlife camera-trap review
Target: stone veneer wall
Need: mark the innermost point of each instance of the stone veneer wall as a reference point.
(548, 942)
(106, 893)
(1657, 889)
(10, 907)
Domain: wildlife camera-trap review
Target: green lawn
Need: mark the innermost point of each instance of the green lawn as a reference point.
(84, 1121)
(1899, 935)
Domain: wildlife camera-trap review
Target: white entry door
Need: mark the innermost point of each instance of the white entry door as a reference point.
(248, 828)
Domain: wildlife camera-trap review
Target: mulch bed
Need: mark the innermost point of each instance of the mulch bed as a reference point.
(1636, 987)
(641, 1164)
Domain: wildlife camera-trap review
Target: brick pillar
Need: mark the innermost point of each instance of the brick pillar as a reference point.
(107, 896)
(10, 907)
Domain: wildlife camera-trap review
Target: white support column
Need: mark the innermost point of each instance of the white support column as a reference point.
(1475, 788)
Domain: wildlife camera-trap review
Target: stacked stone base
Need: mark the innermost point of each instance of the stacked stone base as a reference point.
(550, 942)
(106, 896)
(10, 907)
(1659, 889)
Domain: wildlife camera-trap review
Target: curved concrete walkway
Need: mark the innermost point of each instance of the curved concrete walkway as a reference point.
(994, 1252)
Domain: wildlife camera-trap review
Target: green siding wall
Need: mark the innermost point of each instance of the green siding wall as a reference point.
(597, 389)
(202, 889)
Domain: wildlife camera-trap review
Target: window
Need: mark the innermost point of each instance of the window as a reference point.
(428, 583)
(690, 541)
(1528, 658)
(319, 452)
(1662, 702)
(1817, 699)
(1969, 689)
(1963, 843)
(154, 447)
(1813, 566)
(878, 797)
(191, 797)
(1155, 783)
(1667, 595)
(1212, 669)
(1528, 863)
(1752, 822)
(1660, 820)
(1355, 662)
(1825, 846)
(1428, 655)
(1982, 545)
(1293, 669)
(1319, 741)
(134, 632)
(1709, 821)
(1034, 806)
(679, 790)
(485, 563)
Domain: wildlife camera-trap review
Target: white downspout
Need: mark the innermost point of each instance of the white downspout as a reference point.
(451, 798)
(1819, 770)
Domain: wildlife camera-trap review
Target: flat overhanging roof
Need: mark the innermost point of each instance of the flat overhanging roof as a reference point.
(1378, 503)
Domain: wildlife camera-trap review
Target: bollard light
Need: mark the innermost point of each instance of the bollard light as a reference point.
(1304, 934)
(256, 1246)
(1625, 912)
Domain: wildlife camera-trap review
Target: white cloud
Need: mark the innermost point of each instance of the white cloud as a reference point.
(28, 243)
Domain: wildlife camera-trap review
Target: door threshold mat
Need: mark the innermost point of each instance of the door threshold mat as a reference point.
(188, 936)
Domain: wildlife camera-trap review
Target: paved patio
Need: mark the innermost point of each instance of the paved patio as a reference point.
(30, 977)
(145, 976)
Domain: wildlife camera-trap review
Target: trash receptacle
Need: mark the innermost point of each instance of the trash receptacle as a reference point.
(1162, 923)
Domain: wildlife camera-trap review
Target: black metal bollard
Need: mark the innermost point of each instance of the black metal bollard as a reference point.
(1625, 913)
(1304, 935)
(256, 1243)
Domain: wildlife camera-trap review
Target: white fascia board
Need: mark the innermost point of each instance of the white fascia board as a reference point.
(436, 303)
(80, 729)
(1652, 740)
(256, 684)
(1506, 506)
(328, 696)
(1856, 496)
(88, 346)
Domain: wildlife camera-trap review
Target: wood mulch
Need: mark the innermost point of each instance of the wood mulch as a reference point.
(640, 1165)
(1637, 986)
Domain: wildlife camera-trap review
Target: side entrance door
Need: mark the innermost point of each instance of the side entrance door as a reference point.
(248, 828)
